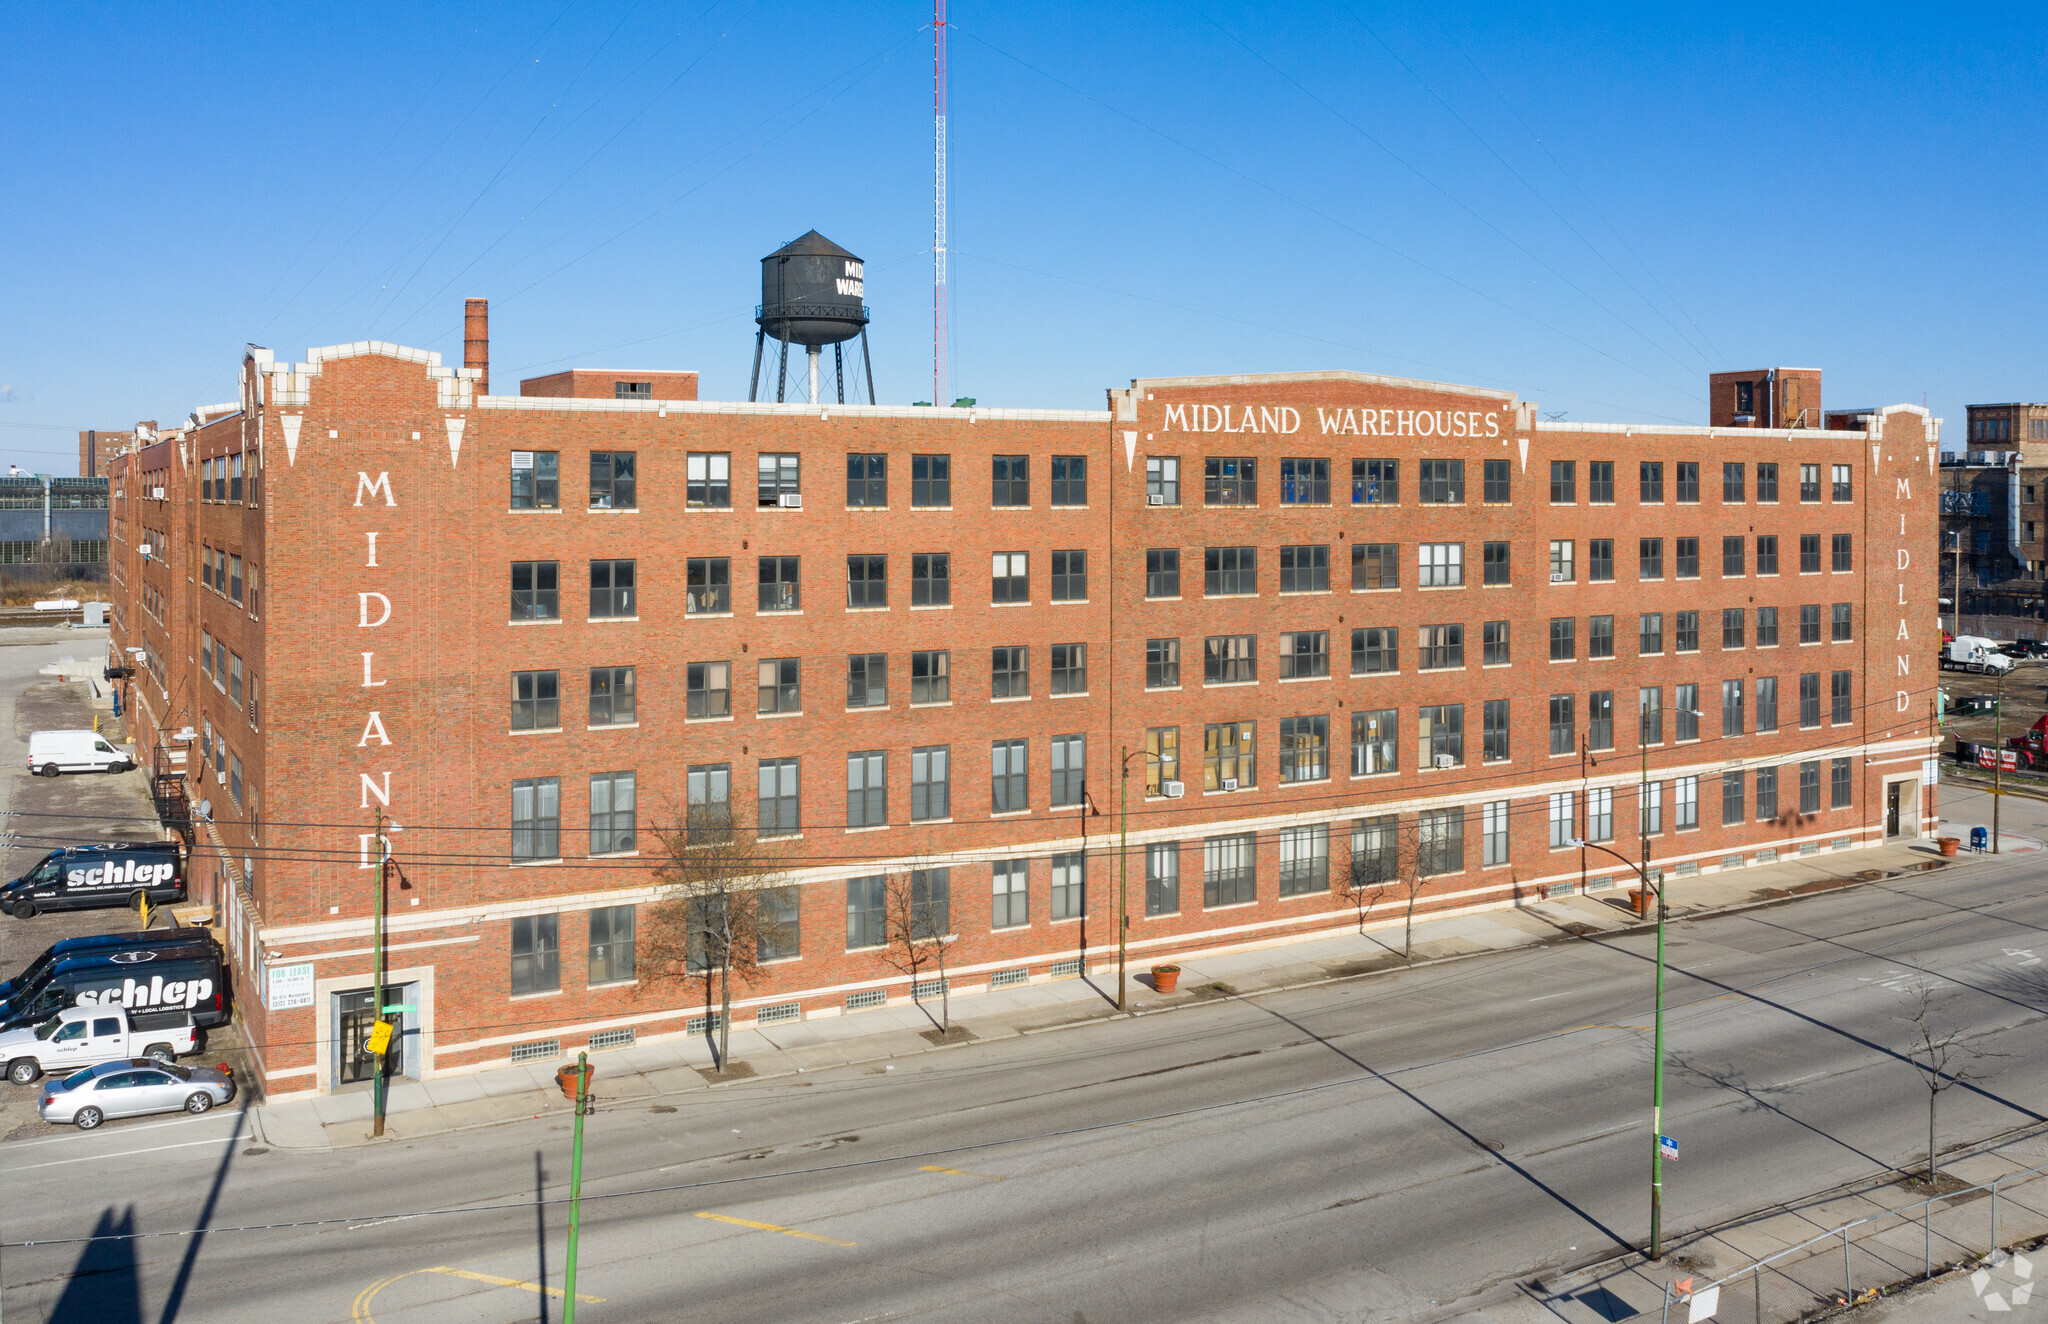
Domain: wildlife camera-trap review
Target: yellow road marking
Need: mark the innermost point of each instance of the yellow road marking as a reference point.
(955, 1172)
(496, 1281)
(771, 1227)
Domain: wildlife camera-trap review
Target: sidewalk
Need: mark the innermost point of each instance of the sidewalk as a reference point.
(644, 1071)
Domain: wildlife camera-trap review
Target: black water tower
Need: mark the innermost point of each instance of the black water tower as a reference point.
(811, 292)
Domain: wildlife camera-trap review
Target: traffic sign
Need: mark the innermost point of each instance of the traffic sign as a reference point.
(1668, 1148)
(380, 1037)
(401, 1007)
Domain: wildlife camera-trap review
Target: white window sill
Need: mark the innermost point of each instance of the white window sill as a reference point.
(615, 510)
(931, 822)
(536, 731)
(1012, 698)
(878, 827)
(600, 620)
(707, 615)
(869, 708)
(1000, 605)
(551, 620)
(1006, 508)
(1162, 689)
(779, 611)
(1304, 592)
(771, 717)
(883, 510)
(528, 864)
(706, 721)
(613, 983)
(1303, 680)
(1069, 602)
(1009, 813)
(1234, 905)
(1227, 684)
(856, 611)
(542, 510)
(1562, 661)
(1395, 589)
(1435, 588)
(707, 510)
(1071, 694)
(613, 855)
(931, 507)
(931, 606)
(1323, 780)
(1239, 791)
(527, 997)
(934, 703)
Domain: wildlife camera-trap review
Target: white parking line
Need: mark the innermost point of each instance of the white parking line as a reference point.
(125, 1153)
(76, 1139)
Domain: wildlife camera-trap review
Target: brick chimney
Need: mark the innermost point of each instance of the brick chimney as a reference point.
(476, 341)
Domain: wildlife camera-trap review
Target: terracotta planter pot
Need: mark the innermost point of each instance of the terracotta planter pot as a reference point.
(1165, 978)
(1949, 845)
(1639, 901)
(565, 1078)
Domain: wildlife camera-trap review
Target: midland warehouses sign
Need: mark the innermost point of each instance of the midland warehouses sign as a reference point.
(1284, 420)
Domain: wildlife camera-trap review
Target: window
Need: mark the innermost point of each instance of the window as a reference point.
(931, 676)
(1563, 728)
(1841, 622)
(1767, 554)
(1011, 580)
(1600, 482)
(779, 929)
(1842, 484)
(612, 697)
(1650, 482)
(1494, 729)
(1230, 570)
(536, 953)
(1230, 481)
(1688, 480)
(611, 481)
(1011, 906)
(1162, 480)
(537, 818)
(206, 654)
(536, 700)
(1230, 659)
(1069, 886)
(1766, 794)
(1376, 482)
(1009, 672)
(633, 390)
(536, 480)
(1304, 482)
(1304, 749)
(931, 579)
(867, 680)
(1745, 399)
(777, 805)
(1162, 664)
(1809, 483)
(1070, 576)
(1562, 827)
(1012, 481)
(707, 481)
(611, 813)
(1686, 554)
(1009, 769)
(1600, 814)
(1305, 569)
(1442, 482)
(1600, 719)
(931, 481)
(1375, 649)
(708, 586)
(535, 591)
(1685, 803)
(1809, 553)
(709, 689)
(1493, 833)
(1650, 809)
(867, 480)
(1840, 787)
(1375, 742)
(1766, 703)
(1731, 707)
(867, 912)
(1440, 564)
(1809, 699)
(235, 679)
(1766, 627)
(1375, 850)
(611, 589)
(1228, 755)
(611, 944)
(1070, 480)
(1731, 627)
(1070, 668)
(1162, 572)
(1731, 482)
(1439, 647)
(1227, 871)
(1495, 555)
(1732, 798)
(1561, 570)
(1732, 557)
(1650, 633)
(779, 586)
(1600, 636)
(778, 481)
(235, 579)
(1305, 860)
(867, 582)
(1843, 562)
(1564, 640)
(1686, 632)
(1162, 878)
(781, 685)
(867, 788)
(1767, 482)
(1650, 715)
(1839, 695)
(1809, 788)
(1162, 757)
(1440, 734)
(1563, 482)
(234, 463)
(1304, 654)
(1495, 637)
(1499, 490)
(1375, 565)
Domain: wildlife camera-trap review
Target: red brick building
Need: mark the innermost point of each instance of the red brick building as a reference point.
(1327, 617)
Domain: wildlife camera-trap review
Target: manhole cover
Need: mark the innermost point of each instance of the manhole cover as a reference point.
(1494, 1145)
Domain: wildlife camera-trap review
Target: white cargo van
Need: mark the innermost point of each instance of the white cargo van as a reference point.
(54, 752)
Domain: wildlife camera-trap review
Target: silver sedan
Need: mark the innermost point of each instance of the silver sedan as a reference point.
(131, 1088)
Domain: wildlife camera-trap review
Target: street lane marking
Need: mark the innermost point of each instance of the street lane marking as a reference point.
(125, 1153)
(496, 1281)
(955, 1172)
(146, 1126)
(771, 1227)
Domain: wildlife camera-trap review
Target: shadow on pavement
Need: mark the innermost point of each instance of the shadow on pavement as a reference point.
(176, 1300)
(103, 1285)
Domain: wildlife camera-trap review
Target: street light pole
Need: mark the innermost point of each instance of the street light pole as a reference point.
(1657, 1066)
(1123, 868)
(377, 981)
(1997, 758)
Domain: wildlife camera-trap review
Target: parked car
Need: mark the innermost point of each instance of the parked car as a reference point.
(88, 1036)
(111, 873)
(190, 977)
(131, 1089)
(54, 752)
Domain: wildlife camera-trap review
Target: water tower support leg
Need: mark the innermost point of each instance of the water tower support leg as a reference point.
(839, 371)
(814, 373)
(754, 386)
(781, 371)
(869, 365)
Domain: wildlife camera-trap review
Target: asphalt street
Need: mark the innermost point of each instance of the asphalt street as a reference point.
(1414, 1145)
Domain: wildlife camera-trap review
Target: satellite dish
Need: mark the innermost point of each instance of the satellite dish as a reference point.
(204, 809)
(186, 733)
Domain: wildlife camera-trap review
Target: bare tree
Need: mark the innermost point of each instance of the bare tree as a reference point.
(1389, 857)
(918, 927)
(1944, 1061)
(721, 908)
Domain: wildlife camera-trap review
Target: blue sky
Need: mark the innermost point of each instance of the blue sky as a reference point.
(1593, 205)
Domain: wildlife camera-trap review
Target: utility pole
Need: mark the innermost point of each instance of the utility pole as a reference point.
(380, 1037)
(1997, 757)
(1123, 865)
(576, 1187)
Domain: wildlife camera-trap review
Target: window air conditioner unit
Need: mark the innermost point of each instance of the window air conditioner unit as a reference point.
(790, 501)
(1173, 790)
(1444, 761)
(1155, 498)
(1559, 577)
(1230, 783)
(157, 492)
(145, 549)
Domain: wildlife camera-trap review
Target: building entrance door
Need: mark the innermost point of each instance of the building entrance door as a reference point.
(1894, 810)
(355, 1015)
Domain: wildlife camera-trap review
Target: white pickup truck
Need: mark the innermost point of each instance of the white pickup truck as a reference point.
(86, 1036)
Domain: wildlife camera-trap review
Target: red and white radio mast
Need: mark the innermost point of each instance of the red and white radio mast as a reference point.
(939, 203)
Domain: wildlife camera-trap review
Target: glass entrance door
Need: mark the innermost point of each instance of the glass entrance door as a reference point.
(355, 1015)
(1894, 806)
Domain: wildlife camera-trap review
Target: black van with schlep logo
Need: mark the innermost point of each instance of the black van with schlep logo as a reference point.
(191, 978)
(114, 873)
